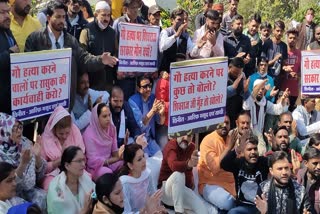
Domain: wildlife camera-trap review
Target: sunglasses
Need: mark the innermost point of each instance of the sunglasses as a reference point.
(146, 86)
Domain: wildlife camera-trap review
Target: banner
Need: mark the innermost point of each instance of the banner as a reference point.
(310, 72)
(198, 93)
(138, 47)
(40, 81)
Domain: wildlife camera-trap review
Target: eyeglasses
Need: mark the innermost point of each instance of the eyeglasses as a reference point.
(80, 161)
(16, 128)
(146, 86)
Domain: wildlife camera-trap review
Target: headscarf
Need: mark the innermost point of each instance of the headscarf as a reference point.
(51, 148)
(101, 135)
(9, 151)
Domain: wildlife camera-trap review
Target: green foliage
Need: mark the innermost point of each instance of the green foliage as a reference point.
(301, 12)
(193, 8)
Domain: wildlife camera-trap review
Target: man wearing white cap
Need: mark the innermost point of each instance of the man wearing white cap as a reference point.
(99, 37)
(258, 105)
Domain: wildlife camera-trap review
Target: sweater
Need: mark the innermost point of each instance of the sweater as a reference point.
(175, 159)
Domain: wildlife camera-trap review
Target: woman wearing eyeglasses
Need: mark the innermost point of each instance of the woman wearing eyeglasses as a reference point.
(70, 191)
(22, 154)
(100, 139)
(58, 134)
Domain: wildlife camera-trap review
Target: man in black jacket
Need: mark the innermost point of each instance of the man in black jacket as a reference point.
(99, 37)
(249, 169)
(7, 45)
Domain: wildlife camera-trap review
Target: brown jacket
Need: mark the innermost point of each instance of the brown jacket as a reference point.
(302, 38)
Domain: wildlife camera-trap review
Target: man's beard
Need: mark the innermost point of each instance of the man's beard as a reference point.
(258, 98)
(23, 12)
(237, 32)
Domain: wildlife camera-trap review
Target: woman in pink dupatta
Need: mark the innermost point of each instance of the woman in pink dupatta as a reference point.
(58, 134)
(100, 139)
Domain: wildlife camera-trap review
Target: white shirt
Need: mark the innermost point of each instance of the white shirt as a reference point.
(306, 129)
(207, 49)
(53, 39)
(166, 42)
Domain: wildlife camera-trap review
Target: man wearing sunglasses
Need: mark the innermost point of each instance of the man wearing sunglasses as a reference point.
(147, 111)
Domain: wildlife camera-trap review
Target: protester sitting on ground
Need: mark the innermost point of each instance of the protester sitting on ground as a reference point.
(59, 133)
(216, 185)
(281, 194)
(109, 195)
(136, 181)
(248, 168)
(70, 191)
(85, 99)
(309, 176)
(259, 106)
(148, 111)
(262, 73)
(176, 176)
(100, 139)
(8, 187)
(286, 119)
(25, 208)
(122, 116)
(26, 157)
(314, 142)
(308, 119)
(279, 141)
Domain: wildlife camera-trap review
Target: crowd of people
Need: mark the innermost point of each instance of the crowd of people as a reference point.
(110, 151)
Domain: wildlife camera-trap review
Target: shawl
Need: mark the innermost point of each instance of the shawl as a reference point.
(9, 151)
(99, 142)
(257, 122)
(60, 199)
(51, 148)
(273, 199)
(122, 128)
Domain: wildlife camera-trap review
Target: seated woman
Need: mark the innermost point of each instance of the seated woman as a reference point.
(70, 191)
(100, 139)
(137, 184)
(26, 157)
(109, 196)
(59, 133)
(8, 187)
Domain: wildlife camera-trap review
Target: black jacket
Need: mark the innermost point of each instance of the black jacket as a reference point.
(5, 80)
(76, 29)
